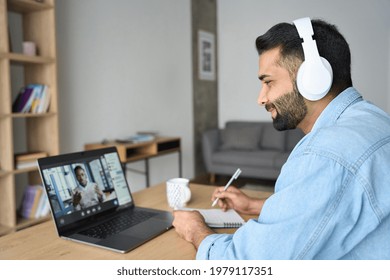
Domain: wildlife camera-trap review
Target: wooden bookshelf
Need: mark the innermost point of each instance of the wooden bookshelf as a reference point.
(19, 132)
(25, 59)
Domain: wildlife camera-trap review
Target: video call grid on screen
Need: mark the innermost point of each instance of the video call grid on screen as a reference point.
(61, 183)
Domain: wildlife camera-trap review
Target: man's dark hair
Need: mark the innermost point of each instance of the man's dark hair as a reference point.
(78, 167)
(330, 43)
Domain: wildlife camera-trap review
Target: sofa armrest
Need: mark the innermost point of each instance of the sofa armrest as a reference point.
(210, 143)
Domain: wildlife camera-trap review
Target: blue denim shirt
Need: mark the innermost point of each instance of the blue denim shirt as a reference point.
(332, 198)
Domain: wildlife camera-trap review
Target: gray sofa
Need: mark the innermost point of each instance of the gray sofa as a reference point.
(255, 147)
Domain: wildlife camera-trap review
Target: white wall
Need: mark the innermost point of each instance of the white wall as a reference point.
(365, 25)
(125, 66)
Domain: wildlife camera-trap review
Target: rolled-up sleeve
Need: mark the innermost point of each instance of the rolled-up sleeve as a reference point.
(208, 243)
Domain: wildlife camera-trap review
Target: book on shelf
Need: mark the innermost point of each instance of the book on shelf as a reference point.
(139, 138)
(152, 133)
(33, 98)
(23, 100)
(34, 203)
(27, 160)
(216, 218)
(27, 202)
(27, 164)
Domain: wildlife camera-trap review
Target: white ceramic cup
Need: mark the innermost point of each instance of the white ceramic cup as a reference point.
(178, 192)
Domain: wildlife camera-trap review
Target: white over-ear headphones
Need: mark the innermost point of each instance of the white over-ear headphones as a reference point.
(315, 74)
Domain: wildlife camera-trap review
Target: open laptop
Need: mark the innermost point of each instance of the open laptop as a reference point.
(91, 201)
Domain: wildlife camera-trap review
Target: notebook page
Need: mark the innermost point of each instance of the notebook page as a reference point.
(219, 219)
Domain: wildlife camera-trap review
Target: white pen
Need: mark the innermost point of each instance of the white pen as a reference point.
(235, 176)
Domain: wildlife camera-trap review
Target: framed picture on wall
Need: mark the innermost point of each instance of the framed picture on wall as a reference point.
(206, 55)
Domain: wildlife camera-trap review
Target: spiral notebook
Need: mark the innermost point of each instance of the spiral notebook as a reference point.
(216, 218)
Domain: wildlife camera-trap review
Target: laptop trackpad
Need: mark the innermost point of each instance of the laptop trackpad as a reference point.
(150, 227)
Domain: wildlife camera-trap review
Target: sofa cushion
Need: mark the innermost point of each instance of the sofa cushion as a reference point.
(241, 138)
(271, 138)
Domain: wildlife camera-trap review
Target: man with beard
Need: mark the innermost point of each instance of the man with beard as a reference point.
(332, 197)
(86, 194)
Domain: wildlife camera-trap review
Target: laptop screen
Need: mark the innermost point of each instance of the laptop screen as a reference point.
(81, 185)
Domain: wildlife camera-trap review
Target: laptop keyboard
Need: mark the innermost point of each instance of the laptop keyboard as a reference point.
(117, 224)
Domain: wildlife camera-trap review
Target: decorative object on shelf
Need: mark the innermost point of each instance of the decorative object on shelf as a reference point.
(29, 48)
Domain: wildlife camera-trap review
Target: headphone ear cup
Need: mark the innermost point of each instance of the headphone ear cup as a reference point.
(314, 78)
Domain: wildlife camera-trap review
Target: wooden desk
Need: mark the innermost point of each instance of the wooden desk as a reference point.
(42, 242)
(131, 152)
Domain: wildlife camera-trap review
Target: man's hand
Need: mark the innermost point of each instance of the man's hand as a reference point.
(76, 198)
(190, 225)
(99, 193)
(235, 199)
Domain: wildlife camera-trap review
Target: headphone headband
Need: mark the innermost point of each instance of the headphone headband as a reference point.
(305, 31)
(315, 75)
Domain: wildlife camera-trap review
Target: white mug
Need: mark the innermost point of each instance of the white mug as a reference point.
(178, 192)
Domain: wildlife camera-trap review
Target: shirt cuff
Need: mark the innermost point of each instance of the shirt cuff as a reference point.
(207, 244)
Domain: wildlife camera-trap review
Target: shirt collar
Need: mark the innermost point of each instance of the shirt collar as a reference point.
(336, 107)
